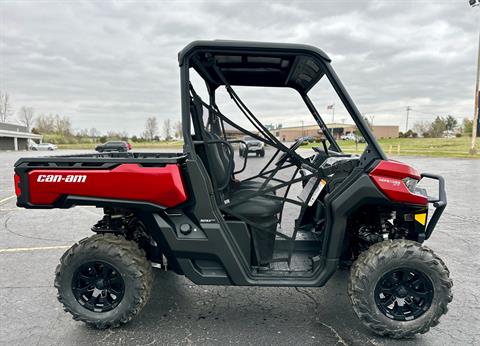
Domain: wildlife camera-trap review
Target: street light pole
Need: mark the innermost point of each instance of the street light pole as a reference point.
(473, 149)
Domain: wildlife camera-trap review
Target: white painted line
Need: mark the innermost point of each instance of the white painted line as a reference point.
(26, 249)
(7, 199)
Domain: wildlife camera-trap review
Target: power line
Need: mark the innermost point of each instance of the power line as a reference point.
(408, 113)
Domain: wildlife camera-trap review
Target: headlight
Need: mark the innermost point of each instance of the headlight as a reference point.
(410, 183)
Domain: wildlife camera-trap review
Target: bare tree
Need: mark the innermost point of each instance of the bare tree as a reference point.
(5, 106)
(45, 123)
(151, 128)
(178, 129)
(94, 133)
(83, 132)
(167, 129)
(63, 125)
(26, 116)
(422, 127)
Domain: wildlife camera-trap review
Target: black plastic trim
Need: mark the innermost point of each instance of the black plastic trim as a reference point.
(440, 204)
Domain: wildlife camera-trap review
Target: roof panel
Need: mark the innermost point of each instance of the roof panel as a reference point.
(257, 63)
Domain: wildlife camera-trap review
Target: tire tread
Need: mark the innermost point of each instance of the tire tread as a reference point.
(136, 264)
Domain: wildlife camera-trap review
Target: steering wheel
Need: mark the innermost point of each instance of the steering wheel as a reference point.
(290, 152)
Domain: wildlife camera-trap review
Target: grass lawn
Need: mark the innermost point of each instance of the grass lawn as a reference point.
(440, 147)
(135, 145)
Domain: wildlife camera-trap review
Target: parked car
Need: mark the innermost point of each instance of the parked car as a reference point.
(348, 137)
(251, 145)
(43, 146)
(121, 146)
(352, 137)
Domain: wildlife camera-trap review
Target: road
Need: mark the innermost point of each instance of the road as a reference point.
(181, 313)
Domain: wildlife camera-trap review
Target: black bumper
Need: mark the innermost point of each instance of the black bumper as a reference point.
(439, 203)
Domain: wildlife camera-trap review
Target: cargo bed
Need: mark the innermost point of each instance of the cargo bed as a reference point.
(124, 179)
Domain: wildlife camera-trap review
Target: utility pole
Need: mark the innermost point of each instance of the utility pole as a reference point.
(408, 113)
(302, 130)
(473, 148)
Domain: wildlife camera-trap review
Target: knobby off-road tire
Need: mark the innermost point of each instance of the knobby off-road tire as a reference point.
(387, 256)
(122, 255)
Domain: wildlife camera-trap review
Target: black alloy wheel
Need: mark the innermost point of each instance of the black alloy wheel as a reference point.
(404, 294)
(98, 286)
(399, 288)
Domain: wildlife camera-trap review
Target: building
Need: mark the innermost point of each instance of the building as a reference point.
(289, 134)
(16, 137)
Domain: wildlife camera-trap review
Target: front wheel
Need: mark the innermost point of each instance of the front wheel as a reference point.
(104, 280)
(399, 288)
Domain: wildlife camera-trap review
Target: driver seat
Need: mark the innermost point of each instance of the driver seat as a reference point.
(223, 164)
(260, 211)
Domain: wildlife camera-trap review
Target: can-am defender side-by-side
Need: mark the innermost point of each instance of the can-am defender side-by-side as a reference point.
(190, 213)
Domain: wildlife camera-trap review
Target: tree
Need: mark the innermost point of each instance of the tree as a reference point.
(422, 127)
(82, 133)
(45, 124)
(167, 128)
(94, 133)
(178, 129)
(438, 126)
(5, 106)
(467, 126)
(151, 128)
(63, 125)
(450, 123)
(26, 116)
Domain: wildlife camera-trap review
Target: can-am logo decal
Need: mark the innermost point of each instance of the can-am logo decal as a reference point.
(57, 178)
(390, 181)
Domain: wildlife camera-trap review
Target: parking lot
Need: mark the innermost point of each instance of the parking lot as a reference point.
(181, 313)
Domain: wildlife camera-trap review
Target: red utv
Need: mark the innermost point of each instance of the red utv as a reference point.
(190, 213)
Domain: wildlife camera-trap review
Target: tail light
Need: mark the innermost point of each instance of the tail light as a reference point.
(16, 179)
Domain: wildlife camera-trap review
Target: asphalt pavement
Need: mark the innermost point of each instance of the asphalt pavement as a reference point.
(181, 313)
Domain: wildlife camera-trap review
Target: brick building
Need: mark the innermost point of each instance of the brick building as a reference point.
(289, 134)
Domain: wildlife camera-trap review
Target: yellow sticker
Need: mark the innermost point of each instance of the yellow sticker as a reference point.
(421, 218)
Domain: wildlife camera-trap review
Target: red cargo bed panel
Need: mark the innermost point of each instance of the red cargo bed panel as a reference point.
(159, 185)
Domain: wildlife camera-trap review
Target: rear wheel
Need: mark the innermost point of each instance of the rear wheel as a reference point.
(104, 280)
(399, 288)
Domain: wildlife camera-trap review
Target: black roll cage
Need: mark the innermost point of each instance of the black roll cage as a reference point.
(188, 58)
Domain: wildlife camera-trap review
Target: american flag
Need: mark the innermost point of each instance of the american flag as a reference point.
(330, 106)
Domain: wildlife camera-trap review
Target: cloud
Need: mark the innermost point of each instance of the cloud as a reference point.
(113, 64)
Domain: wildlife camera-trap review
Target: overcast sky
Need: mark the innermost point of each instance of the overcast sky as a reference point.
(110, 65)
